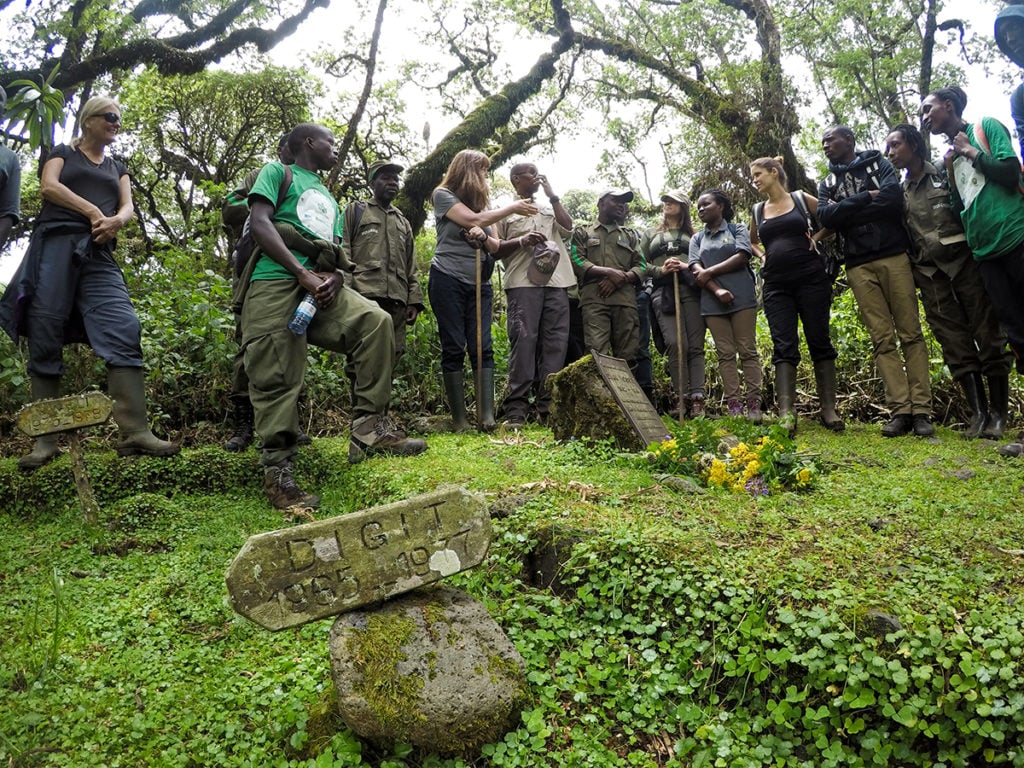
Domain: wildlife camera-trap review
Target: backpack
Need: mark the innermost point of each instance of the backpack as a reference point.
(831, 255)
(979, 134)
(245, 246)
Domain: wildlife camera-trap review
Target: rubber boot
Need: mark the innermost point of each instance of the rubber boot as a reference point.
(127, 388)
(974, 393)
(455, 391)
(825, 380)
(785, 396)
(486, 395)
(998, 406)
(44, 449)
(242, 438)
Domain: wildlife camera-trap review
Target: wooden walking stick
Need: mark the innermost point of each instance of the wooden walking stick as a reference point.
(479, 341)
(680, 346)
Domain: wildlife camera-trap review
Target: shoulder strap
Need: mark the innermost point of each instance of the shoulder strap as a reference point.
(758, 214)
(979, 134)
(801, 204)
(286, 183)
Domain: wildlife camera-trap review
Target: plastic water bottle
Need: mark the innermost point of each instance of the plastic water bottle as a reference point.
(303, 315)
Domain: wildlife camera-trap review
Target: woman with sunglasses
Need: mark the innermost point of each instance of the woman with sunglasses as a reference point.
(69, 288)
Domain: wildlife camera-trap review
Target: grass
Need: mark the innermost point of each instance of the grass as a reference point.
(695, 629)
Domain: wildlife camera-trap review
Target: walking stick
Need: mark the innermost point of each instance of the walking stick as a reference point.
(479, 342)
(680, 346)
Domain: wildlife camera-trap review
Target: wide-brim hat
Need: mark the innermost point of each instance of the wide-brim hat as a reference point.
(543, 261)
(677, 195)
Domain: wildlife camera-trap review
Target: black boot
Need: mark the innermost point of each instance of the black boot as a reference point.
(44, 449)
(455, 391)
(486, 395)
(242, 438)
(998, 406)
(974, 393)
(825, 379)
(785, 396)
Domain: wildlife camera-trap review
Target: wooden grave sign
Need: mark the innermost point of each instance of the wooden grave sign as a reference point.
(69, 414)
(292, 576)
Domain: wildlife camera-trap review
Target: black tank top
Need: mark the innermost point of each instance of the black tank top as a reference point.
(788, 254)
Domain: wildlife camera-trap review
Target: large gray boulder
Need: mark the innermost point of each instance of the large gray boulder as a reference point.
(430, 668)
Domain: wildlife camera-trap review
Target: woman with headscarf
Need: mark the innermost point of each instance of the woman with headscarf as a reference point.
(70, 288)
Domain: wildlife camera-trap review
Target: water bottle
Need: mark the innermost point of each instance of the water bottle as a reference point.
(303, 315)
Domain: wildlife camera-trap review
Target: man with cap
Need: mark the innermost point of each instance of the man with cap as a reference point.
(537, 279)
(1009, 31)
(10, 184)
(378, 240)
(609, 266)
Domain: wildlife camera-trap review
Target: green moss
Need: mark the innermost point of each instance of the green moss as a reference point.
(377, 651)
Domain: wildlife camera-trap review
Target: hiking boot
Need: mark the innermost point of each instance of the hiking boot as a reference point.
(282, 490)
(242, 438)
(923, 426)
(301, 438)
(897, 426)
(754, 414)
(1011, 450)
(735, 408)
(696, 407)
(379, 436)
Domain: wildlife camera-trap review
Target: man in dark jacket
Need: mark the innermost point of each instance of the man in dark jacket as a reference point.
(861, 199)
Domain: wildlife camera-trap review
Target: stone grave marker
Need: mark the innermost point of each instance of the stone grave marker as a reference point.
(69, 414)
(285, 578)
(631, 399)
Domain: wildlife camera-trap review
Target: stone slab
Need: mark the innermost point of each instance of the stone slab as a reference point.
(293, 576)
(631, 399)
(47, 417)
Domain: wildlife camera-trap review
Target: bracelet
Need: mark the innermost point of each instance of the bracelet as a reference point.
(554, 199)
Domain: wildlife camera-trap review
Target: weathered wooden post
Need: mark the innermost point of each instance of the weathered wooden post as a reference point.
(70, 414)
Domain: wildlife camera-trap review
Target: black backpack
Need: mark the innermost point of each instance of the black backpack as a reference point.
(246, 246)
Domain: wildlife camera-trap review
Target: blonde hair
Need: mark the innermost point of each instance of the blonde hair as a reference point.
(466, 178)
(685, 222)
(773, 164)
(97, 105)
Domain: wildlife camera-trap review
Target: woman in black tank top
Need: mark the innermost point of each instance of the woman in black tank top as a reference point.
(796, 289)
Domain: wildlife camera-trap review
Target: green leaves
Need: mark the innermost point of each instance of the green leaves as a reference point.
(38, 106)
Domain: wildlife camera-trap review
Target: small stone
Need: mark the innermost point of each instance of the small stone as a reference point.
(879, 623)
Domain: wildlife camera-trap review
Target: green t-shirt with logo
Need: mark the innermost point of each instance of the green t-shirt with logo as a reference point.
(307, 206)
(993, 215)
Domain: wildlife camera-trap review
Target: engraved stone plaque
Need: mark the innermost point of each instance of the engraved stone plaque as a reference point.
(289, 577)
(631, 399)
(45, 417)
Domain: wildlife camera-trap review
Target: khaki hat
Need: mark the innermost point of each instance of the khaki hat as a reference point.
(382, 165)
(625, 195)
(543, 261)
(676, 195)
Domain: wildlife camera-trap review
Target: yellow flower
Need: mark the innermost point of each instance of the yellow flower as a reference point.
(803, 477)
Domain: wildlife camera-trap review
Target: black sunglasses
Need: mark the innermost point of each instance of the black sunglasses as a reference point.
(111, 117)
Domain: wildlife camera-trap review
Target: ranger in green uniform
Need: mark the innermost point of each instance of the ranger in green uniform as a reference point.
(275, 357)
(609, 265)
(378, 240)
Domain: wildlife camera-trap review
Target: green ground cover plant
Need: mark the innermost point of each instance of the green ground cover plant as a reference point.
(874, 619)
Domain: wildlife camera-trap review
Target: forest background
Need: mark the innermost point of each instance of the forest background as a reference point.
(655, 95)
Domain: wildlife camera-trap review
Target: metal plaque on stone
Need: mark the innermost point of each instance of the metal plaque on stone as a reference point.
(631, 399)
(292, 576)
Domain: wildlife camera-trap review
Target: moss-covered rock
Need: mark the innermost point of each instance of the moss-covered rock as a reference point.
(432, 669)
(583, 406)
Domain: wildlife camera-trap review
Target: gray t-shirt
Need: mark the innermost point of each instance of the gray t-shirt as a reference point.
(452, 255)
(10, 184)
(711, 248)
